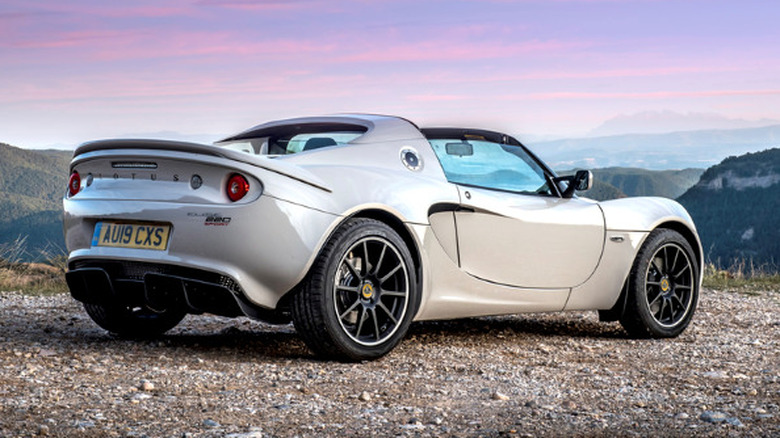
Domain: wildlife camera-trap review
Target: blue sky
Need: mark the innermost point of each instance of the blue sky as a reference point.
(84, 69)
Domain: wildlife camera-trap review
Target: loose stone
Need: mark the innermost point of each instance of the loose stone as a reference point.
(210, 423)
(499, 396)
(146, 386)
(713, 417)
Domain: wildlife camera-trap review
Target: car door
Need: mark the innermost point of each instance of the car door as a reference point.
(512, 227)
(530, 241)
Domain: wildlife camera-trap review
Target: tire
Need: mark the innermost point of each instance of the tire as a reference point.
(663, 288)
(361, 294)
(134, 322)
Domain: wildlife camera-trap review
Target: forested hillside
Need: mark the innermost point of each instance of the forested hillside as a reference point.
(602, 191)
(736, 207)
(735, 204)
(620, 182)
(642, 182)
(32, 183)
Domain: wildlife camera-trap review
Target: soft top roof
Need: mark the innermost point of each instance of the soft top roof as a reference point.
(377, 128)
(469, 134)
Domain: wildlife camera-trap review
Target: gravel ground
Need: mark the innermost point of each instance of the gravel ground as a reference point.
(529, 375)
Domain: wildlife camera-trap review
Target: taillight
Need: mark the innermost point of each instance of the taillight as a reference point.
(74, 183)
(237, 187)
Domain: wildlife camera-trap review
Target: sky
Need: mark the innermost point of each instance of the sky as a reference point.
(78, 70)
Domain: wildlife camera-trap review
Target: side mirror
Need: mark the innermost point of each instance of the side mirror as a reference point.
(583, 180)
(580, 181)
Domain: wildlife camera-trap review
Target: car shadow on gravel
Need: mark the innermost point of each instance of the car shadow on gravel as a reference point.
(215, 340)
(240, 347)
(557, 325)
(242, 340)
(240, 344)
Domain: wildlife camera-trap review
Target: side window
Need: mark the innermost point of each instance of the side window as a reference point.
(291, 144)
(312, 141)
(485, 164)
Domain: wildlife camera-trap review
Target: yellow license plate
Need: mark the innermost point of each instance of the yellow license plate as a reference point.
(126, 235)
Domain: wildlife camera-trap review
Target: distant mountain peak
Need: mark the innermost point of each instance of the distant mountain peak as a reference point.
(676, 150)
(659, 122)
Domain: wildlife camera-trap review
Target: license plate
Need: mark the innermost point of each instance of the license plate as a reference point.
(127, 235)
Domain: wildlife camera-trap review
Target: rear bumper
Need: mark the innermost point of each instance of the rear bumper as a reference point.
(266, 248)
(161, 287)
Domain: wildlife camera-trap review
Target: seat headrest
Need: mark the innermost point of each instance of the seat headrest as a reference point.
(318, 142)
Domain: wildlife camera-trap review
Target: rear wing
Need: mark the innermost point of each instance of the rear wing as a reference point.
(91, 149)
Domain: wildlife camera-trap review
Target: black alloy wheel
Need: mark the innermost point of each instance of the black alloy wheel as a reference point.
(371, 290)
(663, 287)
(361, 294)
(669, 285)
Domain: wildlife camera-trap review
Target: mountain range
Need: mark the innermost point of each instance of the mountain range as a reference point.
(734, 203)
(661, 122)
(676, 150)
(621, 182)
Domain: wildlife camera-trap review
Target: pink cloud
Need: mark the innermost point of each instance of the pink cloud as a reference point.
(625, 72)
(213, 44)
(450, 50)
(258, 5)
(152, 86)
(445, 76)
(71, 39)
(645, 95)
(139, 44)
(16, 16)
(105, 9)
(437, 97)
(142, 11)
(108, 45)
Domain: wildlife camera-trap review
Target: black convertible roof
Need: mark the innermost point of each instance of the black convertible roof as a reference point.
(295, 129)
(469, 134)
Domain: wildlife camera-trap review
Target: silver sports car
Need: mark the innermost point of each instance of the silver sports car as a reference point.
(353, 226)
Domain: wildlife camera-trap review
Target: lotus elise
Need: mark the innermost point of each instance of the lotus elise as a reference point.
(353, 226)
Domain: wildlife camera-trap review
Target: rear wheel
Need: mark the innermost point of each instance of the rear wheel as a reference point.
(134, 322)
(360, 295)
(663, 287)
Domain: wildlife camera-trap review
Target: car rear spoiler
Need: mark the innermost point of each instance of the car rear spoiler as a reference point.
(277, 166)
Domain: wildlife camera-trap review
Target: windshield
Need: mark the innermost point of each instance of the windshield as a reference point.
(483, 163)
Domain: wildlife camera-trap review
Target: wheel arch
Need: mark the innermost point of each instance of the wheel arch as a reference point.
(692, 238)
(387, 218)
(398, 226)
(689, 235)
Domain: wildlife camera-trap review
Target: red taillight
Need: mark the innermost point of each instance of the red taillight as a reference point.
(237, 187)
(74, 184)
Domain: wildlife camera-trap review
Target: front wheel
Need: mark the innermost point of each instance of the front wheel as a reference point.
(360, 295)
(134, 321)
(662, 288)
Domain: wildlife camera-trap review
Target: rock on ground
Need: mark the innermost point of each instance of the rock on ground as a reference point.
(527, 375)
